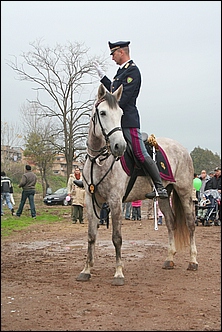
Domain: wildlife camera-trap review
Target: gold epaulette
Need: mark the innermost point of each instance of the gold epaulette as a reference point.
(152, 141)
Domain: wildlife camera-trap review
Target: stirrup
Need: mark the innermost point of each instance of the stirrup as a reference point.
(159, 192)
(162, 193)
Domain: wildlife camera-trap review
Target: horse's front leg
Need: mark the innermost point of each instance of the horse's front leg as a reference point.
(118, 279)
(85, 274)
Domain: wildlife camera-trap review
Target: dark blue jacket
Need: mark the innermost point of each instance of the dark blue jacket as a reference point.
(129, 76)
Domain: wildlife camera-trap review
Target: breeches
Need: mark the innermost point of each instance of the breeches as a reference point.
(134, 137)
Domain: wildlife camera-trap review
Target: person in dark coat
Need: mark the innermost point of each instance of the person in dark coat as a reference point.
(129, 76)
(215, 183)
(27, 184)
(6, 191)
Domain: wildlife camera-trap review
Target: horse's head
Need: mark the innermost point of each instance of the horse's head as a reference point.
(106, 122)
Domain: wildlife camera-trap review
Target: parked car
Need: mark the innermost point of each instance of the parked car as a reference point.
(57, 198)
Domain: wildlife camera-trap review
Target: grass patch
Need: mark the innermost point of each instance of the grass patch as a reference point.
(10, 224)
(45, 215)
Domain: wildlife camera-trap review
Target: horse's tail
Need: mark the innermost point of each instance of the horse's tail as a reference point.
(181, 234)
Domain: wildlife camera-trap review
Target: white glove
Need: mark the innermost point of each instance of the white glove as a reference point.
(101, 73)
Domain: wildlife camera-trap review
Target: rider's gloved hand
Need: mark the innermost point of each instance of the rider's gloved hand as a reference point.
(100, 71)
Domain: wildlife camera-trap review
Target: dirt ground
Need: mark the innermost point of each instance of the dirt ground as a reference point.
(39, 291)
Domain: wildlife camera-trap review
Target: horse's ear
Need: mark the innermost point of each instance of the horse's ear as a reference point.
(118, 92)
(101, 91)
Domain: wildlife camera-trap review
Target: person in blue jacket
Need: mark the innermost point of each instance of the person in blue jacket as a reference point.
(129, 76)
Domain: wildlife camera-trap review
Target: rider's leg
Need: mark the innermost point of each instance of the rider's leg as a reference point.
(150, 166)
(134, 136)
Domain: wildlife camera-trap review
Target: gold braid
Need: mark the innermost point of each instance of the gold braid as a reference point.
(152, 141)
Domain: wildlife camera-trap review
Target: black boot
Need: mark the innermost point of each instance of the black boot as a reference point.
(150, 167)
(79, 183)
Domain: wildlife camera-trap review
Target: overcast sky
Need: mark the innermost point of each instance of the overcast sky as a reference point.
(175, 44)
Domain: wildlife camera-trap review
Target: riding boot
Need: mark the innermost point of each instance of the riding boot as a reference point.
(79, 183)
(150, 167)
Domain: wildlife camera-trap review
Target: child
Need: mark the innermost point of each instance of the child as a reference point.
(203, 203)
(136, 213)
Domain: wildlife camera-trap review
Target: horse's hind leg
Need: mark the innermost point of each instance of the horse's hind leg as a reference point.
(186, 225)
(181, 229)
(190, 221)
(165, 207)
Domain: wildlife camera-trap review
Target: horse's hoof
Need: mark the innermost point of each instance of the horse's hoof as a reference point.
(192, 267)
(118, 281)
(83, 277)
(168, 265)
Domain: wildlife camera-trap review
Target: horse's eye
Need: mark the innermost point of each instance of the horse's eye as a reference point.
(102, 113)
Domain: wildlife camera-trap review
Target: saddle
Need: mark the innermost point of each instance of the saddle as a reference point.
(133, 168)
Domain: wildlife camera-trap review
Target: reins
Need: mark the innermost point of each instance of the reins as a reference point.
(104, 152)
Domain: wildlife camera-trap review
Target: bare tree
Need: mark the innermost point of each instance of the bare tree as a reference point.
(62, 76)
(11, 140)
(39, 142)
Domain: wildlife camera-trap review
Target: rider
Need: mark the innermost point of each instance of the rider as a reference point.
(129, 76)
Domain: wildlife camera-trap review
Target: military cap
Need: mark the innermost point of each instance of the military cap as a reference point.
(115, 46)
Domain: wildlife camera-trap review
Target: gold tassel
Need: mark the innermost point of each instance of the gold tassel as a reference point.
(152, 141)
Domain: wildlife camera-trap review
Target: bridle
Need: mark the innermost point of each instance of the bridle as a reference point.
(103, 152)
(106, 136)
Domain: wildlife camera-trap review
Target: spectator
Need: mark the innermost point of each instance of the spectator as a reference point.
(127, 207)
(104, 214)
(77, 195)
(27, 184)
(195, 199)
(160, 217)
(6, 192)
(211, 174)
(136, 210)
(202, 204)
(204, 177)
(196, 193)
(215, 183)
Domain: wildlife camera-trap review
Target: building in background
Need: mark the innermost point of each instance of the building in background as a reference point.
(16, 155)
